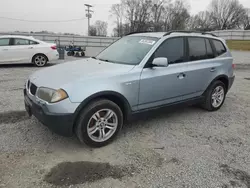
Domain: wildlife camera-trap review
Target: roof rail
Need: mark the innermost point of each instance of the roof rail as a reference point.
(134, 32)
(187, 31)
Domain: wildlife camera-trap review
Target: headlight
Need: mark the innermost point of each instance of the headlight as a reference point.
(51, 95)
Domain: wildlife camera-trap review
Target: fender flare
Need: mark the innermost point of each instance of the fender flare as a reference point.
(103, 94)
(223, 76)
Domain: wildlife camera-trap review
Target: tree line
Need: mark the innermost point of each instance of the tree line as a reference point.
(164, 15)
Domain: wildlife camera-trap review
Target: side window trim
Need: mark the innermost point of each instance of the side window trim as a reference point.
(186, 49)
(213, 47)
(152, 56)
(11, 42)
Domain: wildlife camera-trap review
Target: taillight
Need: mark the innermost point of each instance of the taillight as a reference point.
(233, 66)
(53, 47)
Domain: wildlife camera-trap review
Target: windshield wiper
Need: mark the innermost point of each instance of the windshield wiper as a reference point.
(104, 60)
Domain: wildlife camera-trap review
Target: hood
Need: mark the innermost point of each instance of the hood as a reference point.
(80, 70)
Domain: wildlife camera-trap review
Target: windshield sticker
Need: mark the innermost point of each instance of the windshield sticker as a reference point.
(149, 42)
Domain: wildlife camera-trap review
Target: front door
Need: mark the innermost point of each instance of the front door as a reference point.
(164, 85)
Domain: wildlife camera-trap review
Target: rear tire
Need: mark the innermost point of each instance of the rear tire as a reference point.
(99, 123)
(215, 96)
(40, 60)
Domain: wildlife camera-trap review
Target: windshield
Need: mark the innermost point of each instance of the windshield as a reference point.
(128, 50)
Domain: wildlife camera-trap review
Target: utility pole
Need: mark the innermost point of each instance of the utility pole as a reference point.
(88, 15)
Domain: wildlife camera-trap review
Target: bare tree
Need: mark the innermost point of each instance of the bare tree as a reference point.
(101, 28)
(226, 14)
(92, 31)
(157, 13)
(201, 21)
(118, 12)
(138, 14)
(176, 16)
(246, 20)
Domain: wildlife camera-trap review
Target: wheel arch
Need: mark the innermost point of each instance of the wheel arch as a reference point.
(223, 78)
(113, 96)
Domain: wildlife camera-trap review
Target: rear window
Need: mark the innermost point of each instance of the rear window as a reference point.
(4, 42)
(33, 42)
(219, 47)
(197, 49)
(21, 41)
(18, 41)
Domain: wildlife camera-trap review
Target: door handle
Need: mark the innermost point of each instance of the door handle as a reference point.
(30, 48)
(181, 76)
(5, 49)
(213, 69)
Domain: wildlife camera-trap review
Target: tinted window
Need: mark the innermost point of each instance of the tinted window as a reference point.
(219, 47)
(210, 53)
(197, 49)
(21, 42)
(4, 42)
(173, 49)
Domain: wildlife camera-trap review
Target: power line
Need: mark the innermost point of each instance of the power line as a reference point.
(48, 21)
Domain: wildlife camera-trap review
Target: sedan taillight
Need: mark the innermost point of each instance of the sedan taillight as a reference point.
(53, 47)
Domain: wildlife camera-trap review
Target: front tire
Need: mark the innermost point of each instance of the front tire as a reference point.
(40, 60)
(99, 123)
(215, 96)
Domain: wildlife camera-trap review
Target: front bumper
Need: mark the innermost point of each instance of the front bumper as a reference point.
(61, 124)
(231, 81)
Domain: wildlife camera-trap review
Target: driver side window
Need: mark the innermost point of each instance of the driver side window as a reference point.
(173, 49)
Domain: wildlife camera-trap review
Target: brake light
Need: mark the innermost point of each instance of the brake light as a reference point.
(233, 66)
(53, 47)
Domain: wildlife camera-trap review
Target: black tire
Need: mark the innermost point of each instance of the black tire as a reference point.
(40, 60)
(69, 53)
(207, 104)
(83, 54)
(88, 112)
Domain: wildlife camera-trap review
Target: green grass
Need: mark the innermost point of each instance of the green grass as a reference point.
(239, 45)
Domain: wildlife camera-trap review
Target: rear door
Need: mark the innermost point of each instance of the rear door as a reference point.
(4, 50)
(201, 67)
(22, 50)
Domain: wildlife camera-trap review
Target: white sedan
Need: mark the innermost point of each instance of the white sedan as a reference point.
(24, 49)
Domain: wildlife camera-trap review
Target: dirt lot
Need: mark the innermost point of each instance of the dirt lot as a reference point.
(185, 147)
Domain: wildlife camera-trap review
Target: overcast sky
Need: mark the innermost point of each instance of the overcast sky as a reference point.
(53, 10)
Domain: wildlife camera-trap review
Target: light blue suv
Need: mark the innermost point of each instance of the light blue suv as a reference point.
(142, 71)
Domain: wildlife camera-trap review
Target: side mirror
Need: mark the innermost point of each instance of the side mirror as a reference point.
(160, 62)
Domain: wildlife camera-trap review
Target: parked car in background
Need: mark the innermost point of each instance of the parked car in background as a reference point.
(25, 49)
(92, 97)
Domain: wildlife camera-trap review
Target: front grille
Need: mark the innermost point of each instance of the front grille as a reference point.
(33, 88)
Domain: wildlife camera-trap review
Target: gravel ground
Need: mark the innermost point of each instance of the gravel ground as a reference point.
(185, 147)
